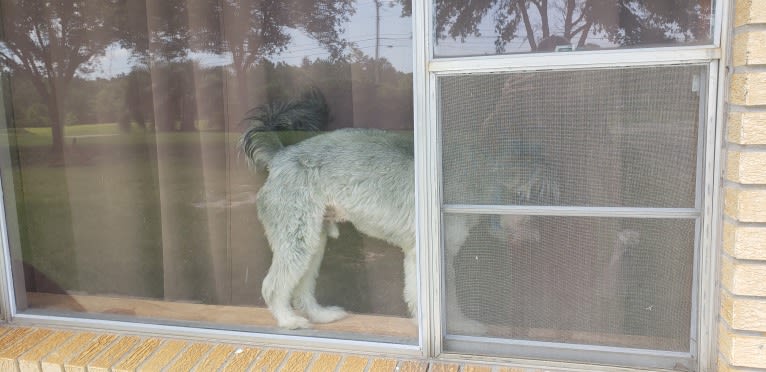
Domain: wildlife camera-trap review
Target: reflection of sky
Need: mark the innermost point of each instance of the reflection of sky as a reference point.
(484, 44)
(395, 43)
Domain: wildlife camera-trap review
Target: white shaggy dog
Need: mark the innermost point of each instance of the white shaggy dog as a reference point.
(363, 176)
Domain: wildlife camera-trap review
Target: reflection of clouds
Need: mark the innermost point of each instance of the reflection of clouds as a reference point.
(395, 37)
(115, 61)
(395, 44)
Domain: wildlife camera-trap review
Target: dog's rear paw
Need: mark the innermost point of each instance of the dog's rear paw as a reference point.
(327, 314)
(293, 322)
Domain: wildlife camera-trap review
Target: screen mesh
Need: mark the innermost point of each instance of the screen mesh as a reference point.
(590, 138)
(624, 137)
(604, 281)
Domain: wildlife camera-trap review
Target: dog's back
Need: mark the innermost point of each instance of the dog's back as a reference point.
(364, 176)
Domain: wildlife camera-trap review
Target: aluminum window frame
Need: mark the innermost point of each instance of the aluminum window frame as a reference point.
(426, 70)
(702, 354)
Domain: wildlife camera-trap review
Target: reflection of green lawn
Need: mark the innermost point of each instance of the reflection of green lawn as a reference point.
(167, 215)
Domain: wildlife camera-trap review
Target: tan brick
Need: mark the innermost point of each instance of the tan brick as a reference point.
(216, 358)
(742, 350)
(749, 11)
(297, 362)
(748, 88)
(353, 364)
(325, 362)
(443, 367)
(80, 362)
(747, 314)
(743, 278)
(748, 48)
(70, 349)
(747, 128)
(115, 352)
(30, 361)
(163, 355)
(413, 366)
(137, 356)
(746, 205)
(241, 359)
(475, 368)
(724, 366)
(270, 360)
(383, 365)
(746, 167)
(189, 358)
(744, 242)
(10, 352)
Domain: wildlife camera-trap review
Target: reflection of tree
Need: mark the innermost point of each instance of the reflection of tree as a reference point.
(48, 42)
(164, 33)
(252, 30)
(545, 24)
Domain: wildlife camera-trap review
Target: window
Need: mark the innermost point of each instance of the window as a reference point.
(549, 162)
(129, 197)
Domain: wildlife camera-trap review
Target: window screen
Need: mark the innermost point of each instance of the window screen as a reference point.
(619, 149)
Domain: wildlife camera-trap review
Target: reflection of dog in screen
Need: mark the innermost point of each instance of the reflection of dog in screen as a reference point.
(363, 176)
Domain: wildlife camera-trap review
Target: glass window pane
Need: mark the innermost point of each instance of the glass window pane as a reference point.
(471, 28)
(579, 280)
(606, 138)
(132, 197)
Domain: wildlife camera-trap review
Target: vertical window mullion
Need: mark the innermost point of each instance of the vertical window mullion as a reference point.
(427, 197)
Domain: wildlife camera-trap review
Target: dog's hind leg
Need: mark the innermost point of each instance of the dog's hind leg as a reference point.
(284, 275)
(411, 282)
(456, 233)
(304, 298)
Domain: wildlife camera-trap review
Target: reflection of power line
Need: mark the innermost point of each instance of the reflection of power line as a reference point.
(320, 54)
(298, 50)
(296, 54)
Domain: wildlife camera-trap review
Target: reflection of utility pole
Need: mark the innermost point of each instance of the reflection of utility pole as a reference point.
(377, 40)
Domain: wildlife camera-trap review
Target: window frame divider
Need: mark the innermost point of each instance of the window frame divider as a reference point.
(613, 58)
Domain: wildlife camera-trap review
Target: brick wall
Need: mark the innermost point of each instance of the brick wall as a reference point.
(742, 337)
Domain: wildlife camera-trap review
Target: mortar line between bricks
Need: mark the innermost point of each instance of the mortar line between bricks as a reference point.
(104, 350)
(745, 109)
(754, 68)
(285, 359)
(742, 297)
(749, 27)
(229, 357)
(739, 223)
(739, 332)
(128, 353)
(52, 350)
(151, 355)
(743, 261)
(743, 186)
(745, 148)
(177, 356)
(314, 357)
(203, 356)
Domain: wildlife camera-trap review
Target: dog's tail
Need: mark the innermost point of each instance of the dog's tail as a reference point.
(259, 142)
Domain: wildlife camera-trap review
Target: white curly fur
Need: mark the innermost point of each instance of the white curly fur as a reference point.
(362, 176)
